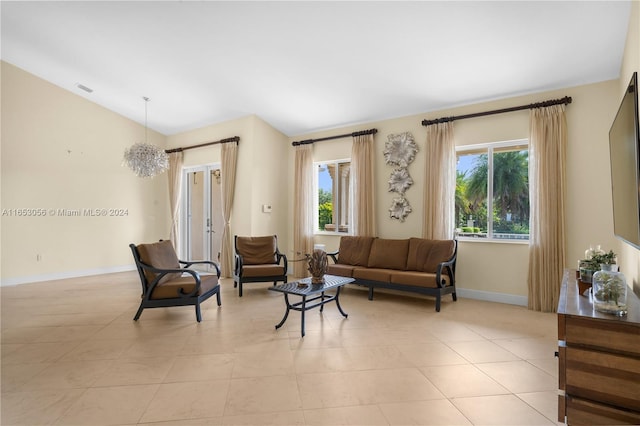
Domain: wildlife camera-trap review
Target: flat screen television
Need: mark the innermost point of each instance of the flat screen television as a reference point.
(624, 147)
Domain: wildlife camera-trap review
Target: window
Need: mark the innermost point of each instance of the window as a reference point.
(332, 181)
(493, 178)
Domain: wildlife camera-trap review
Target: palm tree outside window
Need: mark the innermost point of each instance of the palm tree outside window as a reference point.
(493, 178)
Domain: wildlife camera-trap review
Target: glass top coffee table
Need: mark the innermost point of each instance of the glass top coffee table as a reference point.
(313, 295)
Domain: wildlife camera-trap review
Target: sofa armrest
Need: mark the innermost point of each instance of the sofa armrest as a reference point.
(448, 267)
(334, 255)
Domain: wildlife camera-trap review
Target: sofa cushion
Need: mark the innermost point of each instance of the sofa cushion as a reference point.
(388, 254)
(372, 274)
(413, 278)
(425, 255)
(354, 250)
(257, 250)
(160, 255)
(340, 270)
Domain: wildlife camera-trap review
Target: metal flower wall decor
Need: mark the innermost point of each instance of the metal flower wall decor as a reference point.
(400, 181)
(399, 209)
(400, 151)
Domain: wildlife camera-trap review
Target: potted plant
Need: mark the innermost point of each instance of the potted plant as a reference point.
(591, 265)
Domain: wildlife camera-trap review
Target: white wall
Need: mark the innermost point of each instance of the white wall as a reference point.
(61, 151)
(270, 173)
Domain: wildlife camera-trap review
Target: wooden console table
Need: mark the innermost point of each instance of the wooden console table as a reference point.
(599, 360)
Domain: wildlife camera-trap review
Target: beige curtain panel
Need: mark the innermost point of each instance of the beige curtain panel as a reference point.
(302, 208)
(547, 154)
(440, 182)
(362, 164)
(228, 184)
(175, 189)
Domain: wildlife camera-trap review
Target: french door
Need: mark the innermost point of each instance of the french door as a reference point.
(202, 222)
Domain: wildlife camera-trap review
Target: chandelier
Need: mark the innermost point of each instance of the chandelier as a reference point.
(145, 159)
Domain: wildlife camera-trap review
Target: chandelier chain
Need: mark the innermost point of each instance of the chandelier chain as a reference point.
(146, 105)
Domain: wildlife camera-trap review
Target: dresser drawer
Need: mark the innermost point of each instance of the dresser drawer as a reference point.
(583, 412)
(609, 336)
(608, 378)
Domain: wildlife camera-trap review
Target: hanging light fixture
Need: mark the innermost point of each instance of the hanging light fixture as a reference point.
(145, 159)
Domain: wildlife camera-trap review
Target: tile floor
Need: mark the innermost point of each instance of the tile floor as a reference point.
(72, 355)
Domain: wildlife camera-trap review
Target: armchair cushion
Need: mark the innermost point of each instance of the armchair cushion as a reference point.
(257, 250)
(249, 271)
(171, 289)
(160, 255)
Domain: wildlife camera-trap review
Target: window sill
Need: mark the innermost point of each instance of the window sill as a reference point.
(491, 240)
(330, 233)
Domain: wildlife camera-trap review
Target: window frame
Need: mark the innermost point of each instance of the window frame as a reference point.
(489, 148)
(335, 198)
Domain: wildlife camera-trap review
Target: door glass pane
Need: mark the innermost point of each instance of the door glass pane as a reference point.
(196, 225)
(203, 221)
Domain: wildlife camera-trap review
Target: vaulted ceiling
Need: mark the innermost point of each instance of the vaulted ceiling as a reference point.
(304, 66)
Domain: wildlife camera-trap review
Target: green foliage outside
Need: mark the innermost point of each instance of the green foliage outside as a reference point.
(325, 208)
(510, 194)
(470, 229)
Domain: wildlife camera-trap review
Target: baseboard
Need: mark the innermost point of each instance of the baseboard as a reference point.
(63, 275)
(510, 299)
(487, 296)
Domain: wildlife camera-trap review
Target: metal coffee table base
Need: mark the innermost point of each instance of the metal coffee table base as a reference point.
(304, 289)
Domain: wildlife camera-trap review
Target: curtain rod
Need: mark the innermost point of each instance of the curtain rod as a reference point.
(233, 139)
(566, 100)
(346, 135)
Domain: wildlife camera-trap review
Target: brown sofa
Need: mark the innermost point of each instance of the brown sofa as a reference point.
(415, 264)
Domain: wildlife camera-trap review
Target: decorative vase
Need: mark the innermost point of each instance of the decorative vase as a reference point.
(609, 290)
(317, 266)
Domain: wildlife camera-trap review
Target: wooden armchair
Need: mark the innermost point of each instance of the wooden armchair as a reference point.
(167, 281)
(258, 260)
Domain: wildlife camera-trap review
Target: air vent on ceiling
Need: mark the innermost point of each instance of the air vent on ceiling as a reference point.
(83, 87)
